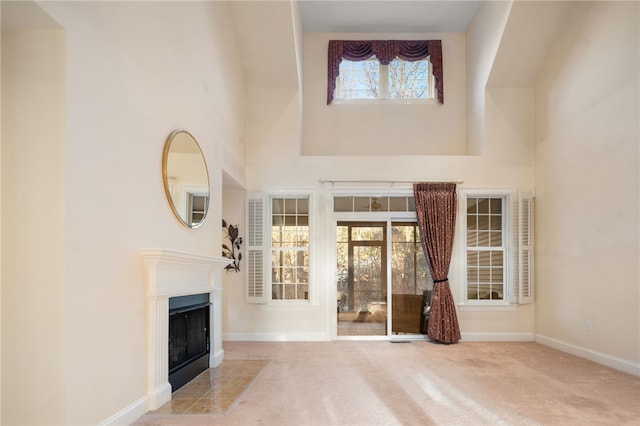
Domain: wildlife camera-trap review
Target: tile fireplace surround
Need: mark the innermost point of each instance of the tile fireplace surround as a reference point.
(169, 274)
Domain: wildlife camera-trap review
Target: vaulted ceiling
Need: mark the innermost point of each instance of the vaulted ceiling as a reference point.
(377, 16)
(527, 37)
(267, 36)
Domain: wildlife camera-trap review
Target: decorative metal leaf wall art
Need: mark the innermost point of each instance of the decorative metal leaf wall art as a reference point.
(231, 246)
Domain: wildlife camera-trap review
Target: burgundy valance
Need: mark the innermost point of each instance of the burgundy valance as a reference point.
(385, 51)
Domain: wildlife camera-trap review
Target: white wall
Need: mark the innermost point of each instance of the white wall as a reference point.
(1, 221)
(274, 162)
(482, 41)
(34, 274)
(587, 184)
(233, 283)
(378, 129)
(135, 71)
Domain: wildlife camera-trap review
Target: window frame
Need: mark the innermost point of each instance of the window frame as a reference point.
(507, 196)
(385, 51)
(383, 86)
(269, 248)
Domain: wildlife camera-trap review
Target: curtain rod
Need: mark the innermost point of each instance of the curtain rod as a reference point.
(458, 181)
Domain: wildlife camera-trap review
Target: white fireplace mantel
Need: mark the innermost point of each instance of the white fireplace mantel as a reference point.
(169, 274)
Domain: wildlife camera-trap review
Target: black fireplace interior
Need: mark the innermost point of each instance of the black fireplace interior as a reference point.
(188, 338)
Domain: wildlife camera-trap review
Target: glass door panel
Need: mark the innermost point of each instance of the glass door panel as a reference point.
(367, 281)
(362, 284)
(411, 284)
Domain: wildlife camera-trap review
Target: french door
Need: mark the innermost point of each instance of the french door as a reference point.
(364, 305)
(362, 278)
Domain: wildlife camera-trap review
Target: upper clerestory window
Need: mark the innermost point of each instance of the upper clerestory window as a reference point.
(399, 79)
(385, 69)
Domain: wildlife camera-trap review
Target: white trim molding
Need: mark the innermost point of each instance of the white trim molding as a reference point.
(169, 274)
(277, 337)
(497, 337)
(127, 415)
(595, 356)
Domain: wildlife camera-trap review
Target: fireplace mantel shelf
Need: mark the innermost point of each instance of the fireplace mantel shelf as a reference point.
(172, 256)
(172, 273)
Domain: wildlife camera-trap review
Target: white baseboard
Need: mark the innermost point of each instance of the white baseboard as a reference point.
(134, 411)
(321, 337)
(275, 337)
(216, 358)
(159, 397)
(498, 337)
(597, 357)
(154, 400)
(129, 414)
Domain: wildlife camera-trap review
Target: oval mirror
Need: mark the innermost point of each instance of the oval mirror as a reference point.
(186, 179)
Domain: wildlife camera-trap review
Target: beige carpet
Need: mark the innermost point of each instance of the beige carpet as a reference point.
(421, 383)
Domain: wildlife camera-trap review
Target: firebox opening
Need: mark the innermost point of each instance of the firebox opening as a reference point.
(189, 338)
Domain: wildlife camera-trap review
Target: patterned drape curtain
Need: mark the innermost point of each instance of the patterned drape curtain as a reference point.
(385, 51)
(436, 212)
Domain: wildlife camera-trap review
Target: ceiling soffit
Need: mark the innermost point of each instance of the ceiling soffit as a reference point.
(264, 31)
(531, 28)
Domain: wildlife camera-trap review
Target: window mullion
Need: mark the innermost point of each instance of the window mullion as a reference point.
(383, 86)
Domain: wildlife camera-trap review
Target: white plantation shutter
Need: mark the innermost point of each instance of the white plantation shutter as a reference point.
(515, 227)
(255, 288)
(523, 249)
(526, 249)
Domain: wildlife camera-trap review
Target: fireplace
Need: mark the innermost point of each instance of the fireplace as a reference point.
(171, 274)
(188, 338)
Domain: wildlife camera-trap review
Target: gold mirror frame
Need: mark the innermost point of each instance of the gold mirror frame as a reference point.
(186, 178)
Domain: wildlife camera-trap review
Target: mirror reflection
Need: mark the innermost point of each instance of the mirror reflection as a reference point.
(186, 180)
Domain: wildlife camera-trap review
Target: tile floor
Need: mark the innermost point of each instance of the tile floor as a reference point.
(214, 390)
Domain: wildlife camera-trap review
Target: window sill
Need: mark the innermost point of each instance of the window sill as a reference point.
(486, 307)
(384, 102)
(293, 305)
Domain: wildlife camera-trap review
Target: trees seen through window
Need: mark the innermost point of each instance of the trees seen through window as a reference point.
(400, 79)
